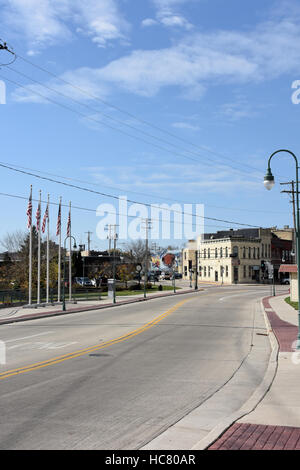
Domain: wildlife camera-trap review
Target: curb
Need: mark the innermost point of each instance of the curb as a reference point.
(36, 316)
(255, 398)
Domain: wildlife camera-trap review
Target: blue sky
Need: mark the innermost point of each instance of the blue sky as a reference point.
(216, 75)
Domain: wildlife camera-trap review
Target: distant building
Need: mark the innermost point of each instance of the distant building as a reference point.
(188, 259)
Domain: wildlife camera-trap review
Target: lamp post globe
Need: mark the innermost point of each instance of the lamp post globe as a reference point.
(269, 180)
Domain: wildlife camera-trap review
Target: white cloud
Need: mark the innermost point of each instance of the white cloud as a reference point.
(168, 14)
(176, 21)
(168, 177)
(237, 110)
(149, 22)
(197, 62)
(185, 125)
(48, 22)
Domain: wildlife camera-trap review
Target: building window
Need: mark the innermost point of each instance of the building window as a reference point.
(216, 253)
(244, 252)
(185, 255)
(245, 274)
(235, 251)
(204, 271)
(208, 252)
(226, 271)
(258, 253)
(204, 253)
(250, 272)
(221, 252)
(226, 252)
(249, 253)
(208, 271)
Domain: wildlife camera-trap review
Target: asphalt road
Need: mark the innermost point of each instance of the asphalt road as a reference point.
(117, 378)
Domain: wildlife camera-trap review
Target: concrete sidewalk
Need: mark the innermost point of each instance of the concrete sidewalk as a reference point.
(275, 422)
(16, 314)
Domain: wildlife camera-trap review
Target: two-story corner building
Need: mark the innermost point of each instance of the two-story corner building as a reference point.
(235, 256)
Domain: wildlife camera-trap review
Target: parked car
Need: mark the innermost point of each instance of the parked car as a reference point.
(166, 276)
(285, 281)
(177, 275)
(153, 276)
(83, 281)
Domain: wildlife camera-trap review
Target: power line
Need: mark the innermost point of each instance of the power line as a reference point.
(115, 197)
(93, 119)
(122, 122)
(113, 106)
(68, 178)
(173, 222)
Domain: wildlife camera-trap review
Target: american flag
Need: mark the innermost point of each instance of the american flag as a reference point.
(29, 210)
(46, 217)
(69, 225)
(38, 217)
(58, 226)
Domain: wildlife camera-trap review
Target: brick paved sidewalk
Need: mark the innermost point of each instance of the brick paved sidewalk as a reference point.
(243, 436)
(246, 436)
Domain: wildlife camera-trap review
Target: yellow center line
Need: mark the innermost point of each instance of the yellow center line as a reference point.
(81, 352)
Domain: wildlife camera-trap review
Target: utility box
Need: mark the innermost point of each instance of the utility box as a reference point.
(110, 288)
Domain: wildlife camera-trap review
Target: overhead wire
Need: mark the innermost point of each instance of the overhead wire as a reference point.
(138, 119)
(117, 188)
(116, 197)
(93, 119)
(120, 122)
(173, 222)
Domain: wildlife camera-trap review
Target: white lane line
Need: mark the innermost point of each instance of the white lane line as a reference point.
(40, 345)
(28, 337)
(237, 295)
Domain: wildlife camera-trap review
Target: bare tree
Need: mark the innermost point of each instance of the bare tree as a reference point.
(12, 243)
(136, 251)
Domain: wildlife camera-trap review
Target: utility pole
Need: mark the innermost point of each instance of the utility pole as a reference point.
(89, 240)
(110, 229)
(115, 237)
(146, 226)
(292, 192)
(112, 235)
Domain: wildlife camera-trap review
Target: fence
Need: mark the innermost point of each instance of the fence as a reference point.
(20, 297)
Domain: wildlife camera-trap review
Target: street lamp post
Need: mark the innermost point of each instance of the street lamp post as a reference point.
(196, 271)
(64, 297)
(269, 183)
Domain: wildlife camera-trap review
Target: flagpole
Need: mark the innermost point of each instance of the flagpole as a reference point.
(59, 252)
(48, 237)
(30, 248)
(70, 258)
(39, 253)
